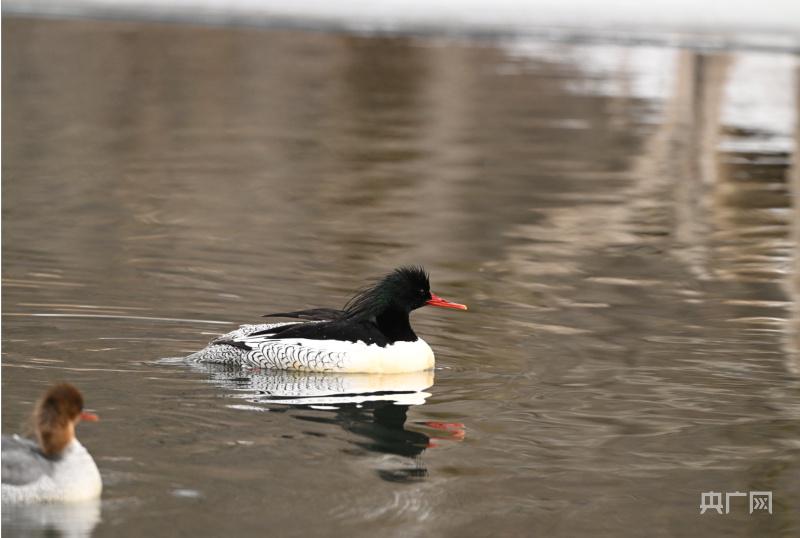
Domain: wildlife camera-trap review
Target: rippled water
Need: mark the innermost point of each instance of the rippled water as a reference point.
(623, 223)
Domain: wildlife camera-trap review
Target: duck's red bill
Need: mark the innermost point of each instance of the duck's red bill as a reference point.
(435, 300)
(90, 417)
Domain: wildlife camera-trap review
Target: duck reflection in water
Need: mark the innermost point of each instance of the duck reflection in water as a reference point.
(383, 428)
(374, 407)
(68, 520)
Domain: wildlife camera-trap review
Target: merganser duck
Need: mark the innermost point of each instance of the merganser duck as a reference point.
(56, 467)
(372, 334)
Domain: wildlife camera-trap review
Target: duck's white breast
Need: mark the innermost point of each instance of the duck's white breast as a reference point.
(74, 477)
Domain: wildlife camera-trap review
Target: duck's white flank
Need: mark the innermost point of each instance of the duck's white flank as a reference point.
(306, 355)
(72, 477)
(345, 357)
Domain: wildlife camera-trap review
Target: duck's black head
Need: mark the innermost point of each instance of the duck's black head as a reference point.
(403, 290)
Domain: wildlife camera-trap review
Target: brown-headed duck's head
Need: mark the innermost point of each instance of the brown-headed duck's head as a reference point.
(56, 415)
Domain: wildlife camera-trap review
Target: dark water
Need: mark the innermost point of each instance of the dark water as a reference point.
(623, 223)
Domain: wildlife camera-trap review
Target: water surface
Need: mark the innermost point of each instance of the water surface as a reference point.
(622, 222)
